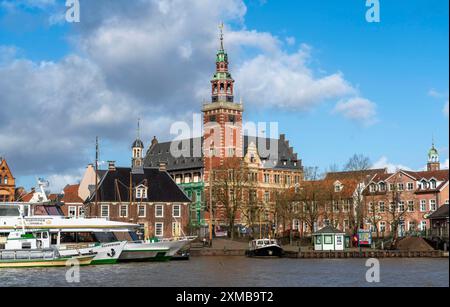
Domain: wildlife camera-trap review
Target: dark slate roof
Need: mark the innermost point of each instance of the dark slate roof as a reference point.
(328, 229)
(137, 143)
(161, 187)
(160, 152)
(440, 213)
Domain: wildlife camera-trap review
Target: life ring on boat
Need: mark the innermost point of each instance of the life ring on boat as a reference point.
(112, 254)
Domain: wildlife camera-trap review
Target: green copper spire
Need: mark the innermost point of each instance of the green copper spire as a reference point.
(222, 82)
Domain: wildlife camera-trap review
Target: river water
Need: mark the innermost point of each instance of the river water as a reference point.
(241, 272)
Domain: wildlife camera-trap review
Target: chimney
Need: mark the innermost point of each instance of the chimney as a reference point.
(162, 166)
(111, 165)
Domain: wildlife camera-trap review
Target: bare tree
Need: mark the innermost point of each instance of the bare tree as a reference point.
(358, 164)
(373, 215)
(397, 209)
(229, 188)
(311, 197)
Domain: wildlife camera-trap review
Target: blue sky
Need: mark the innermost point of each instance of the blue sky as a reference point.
(398, 66)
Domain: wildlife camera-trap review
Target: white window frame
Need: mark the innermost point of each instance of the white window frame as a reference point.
(433, 184)
(382, 225)
(126, 210)
(423, 205)
(173, 210)
(141, 192)
(409, 202)
(433, 205)
(101, 210)
(410, 186)
(80, 211)
(162, 229)
(70, 208)
(423, 225)
(145, 210)
(401, 206)
(379, 206)
(156, 211)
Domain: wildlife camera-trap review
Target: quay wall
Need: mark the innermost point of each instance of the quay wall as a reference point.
(328, 254)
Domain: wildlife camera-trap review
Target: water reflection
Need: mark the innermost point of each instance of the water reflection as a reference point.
(241, 272)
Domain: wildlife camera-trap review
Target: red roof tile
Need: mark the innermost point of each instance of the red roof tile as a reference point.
(71, 194)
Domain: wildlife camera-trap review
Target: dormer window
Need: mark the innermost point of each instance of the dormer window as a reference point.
(424, 184)
(433, 184)
(337, 187)
(372, 188)
(141, 192)
(382, 186)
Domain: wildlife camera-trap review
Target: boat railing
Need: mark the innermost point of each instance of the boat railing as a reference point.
(28, 254)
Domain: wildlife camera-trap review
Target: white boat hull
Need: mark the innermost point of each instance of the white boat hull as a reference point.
(105, 253)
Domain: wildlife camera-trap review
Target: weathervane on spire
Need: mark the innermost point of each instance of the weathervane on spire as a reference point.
(221, 27)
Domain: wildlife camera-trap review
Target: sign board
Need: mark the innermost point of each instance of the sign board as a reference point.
(365, 237)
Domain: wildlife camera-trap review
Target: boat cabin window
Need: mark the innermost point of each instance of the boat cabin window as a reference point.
(9, 211)
(77, 237)
(26, 245)
(42, 235)
(105, 237)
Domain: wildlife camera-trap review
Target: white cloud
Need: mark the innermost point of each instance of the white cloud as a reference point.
(358, 109)
(59, 181)
(283, 80)
(383, 162)
(150, 59)
(290, 41)
(445, 164)
(445, 110)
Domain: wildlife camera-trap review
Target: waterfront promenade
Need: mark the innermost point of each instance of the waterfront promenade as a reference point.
(226, 247)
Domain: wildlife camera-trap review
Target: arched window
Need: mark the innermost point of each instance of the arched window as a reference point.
(229, 88)
(222, 87)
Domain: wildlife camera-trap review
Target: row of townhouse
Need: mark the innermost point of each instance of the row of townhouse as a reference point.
(375, 199)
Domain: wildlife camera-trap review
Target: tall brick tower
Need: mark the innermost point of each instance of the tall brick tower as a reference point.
(222, 117)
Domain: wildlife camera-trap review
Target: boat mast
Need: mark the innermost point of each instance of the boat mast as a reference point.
(96, 173)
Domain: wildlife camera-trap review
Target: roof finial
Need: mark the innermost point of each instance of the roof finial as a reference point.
(139, 129)
(221, 26)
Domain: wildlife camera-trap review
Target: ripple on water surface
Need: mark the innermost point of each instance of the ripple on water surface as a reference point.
(241, 272)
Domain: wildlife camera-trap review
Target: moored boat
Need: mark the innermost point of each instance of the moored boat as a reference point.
(105, 253)
(264, 248)
(23, 251)
(34, 262)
